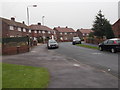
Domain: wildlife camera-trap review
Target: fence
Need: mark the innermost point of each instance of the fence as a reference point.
(15, 45)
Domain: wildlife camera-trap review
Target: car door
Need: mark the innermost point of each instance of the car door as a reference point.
(105, 45)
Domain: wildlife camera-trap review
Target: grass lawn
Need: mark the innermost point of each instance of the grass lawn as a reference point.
(87, 46)
(20, 76)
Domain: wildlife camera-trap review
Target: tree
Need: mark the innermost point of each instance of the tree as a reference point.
(102, 26)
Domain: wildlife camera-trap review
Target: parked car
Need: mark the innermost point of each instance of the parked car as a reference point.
(52, 44)
(76, 40)
(112, 45)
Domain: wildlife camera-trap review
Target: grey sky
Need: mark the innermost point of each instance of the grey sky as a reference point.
(72, 14)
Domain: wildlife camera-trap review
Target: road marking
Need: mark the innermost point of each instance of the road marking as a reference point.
(77, 65)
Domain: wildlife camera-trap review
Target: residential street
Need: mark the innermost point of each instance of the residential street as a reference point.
(72, 66)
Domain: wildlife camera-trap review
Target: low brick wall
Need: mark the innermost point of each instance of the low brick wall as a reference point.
(14, 50)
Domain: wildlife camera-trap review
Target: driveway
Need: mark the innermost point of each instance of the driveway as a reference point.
(65, 72)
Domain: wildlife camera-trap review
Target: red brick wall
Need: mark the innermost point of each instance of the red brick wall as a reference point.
(116, 28)
(14, 50)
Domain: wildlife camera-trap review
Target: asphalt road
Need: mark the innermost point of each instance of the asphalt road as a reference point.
(66, 72)
(103, 60)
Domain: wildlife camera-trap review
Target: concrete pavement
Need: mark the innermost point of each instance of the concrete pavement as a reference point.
(65, 72)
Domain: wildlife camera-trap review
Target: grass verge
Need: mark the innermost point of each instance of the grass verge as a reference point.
(20, 76)
(87, 46)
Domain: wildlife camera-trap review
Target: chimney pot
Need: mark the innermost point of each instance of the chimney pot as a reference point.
(58, 26)
(39, 23)
(66, 27)
(23, 22)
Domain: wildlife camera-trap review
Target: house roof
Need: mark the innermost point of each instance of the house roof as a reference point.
(118, 21)
(40, 27)
(87, 31)
(66, 29)
(14, 23)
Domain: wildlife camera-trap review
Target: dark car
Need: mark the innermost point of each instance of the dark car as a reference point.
(112, 45)
(76, 40)
(52, 44)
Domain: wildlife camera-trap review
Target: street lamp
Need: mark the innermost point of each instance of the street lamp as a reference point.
(43, 19)
(28, 11)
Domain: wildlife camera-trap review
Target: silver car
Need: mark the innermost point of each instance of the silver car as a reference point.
(52, 44)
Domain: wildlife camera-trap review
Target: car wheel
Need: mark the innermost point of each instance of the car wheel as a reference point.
(73, 43)
(100, 48)
(113, 50)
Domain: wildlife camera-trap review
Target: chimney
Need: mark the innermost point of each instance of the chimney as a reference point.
(58, 26)
(12, 18)
(66, 27)
(23, 22)
(39, 23)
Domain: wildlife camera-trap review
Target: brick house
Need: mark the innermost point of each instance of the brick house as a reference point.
(40, 31)
(83, 33)
(64, 34)
(11, 28)
(116, 28)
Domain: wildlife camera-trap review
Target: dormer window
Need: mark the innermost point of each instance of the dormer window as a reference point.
(11, 28)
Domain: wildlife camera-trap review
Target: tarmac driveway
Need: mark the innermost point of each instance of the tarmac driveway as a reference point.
(65, 72)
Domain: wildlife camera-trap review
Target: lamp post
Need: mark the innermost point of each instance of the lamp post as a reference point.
(43, 19)
(28, 11)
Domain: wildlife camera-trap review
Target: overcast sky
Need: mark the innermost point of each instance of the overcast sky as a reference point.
(75, 14)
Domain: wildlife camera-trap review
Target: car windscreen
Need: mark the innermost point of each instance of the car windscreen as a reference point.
(52, 41)
(76, 38)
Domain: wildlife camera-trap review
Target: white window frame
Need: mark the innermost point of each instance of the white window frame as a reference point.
(24, 30)
(43, 32)
(54, 32)
(49, 32)
(39, 31)
(35, 31)
(65, 33)
(11, 27)
(30, 31)
(19, 29)
(71, 33)
(60, 33)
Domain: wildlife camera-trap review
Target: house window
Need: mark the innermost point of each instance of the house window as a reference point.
(12, 36)
(54, 32)
(35, 31)
(39, 31)
(65, 33)
(66, 38)
(70, 33)
(19, 29)
(29, 31)
(43, 31)
(83, 34)
(11, 28)
(24, 30)
(49, 32)
(87, 34)
(61, 38)
(60, 33)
